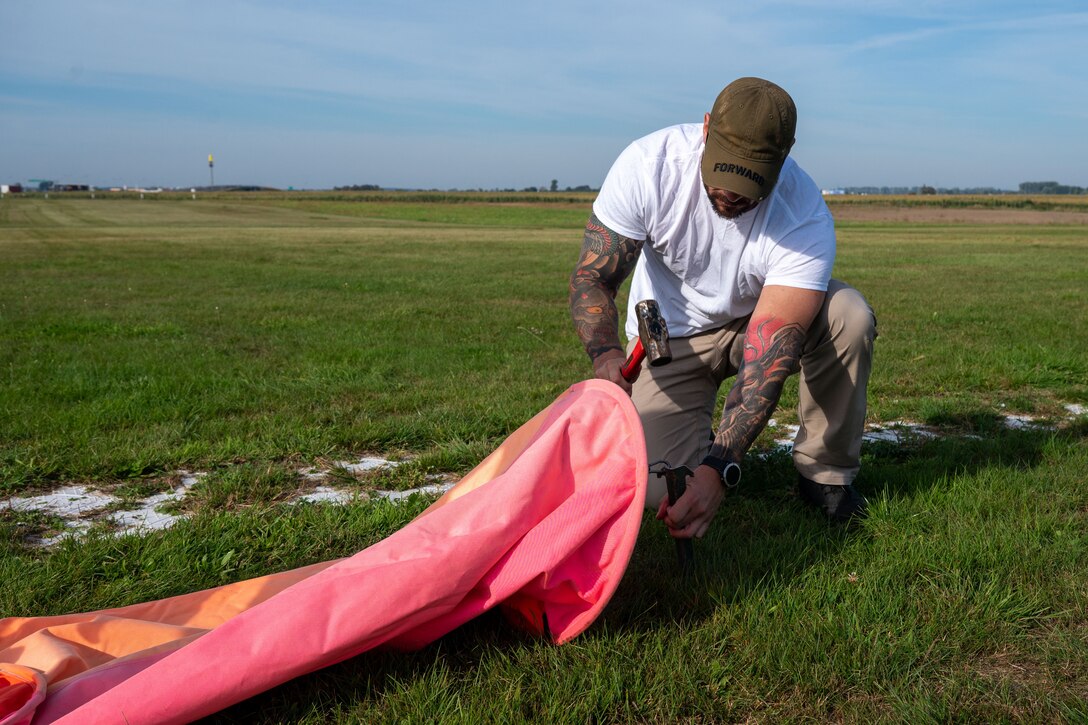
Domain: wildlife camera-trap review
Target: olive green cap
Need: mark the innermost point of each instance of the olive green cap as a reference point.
(751, 131)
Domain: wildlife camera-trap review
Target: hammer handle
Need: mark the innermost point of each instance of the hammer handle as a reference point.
(634, 360)
(675, 485)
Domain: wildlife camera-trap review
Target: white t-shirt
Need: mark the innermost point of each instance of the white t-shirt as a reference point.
(705, 271)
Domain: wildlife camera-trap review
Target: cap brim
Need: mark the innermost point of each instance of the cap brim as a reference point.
(750, 178)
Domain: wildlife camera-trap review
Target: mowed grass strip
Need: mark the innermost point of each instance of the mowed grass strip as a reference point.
(961, 598)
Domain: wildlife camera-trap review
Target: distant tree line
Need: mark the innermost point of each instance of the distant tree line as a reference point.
(554, 186)
(924, 189)
(1050, 187)
(1027, 187)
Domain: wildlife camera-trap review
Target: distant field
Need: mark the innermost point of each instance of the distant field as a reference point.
(248, 335)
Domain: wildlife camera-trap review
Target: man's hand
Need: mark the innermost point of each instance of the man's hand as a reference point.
(607, 366)
(690, 517)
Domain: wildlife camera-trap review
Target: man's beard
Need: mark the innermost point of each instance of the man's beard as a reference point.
(728, 209)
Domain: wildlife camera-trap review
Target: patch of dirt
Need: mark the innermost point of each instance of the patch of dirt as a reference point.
(938, 215)
(1023, 674)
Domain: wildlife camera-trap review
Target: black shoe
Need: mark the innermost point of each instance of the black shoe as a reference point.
(841, 504)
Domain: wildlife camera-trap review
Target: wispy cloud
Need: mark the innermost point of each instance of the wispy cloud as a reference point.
(1020, 27)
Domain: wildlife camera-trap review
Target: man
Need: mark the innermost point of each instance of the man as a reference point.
(735, 243)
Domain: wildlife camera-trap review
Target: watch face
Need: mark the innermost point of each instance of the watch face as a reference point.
(728, 470)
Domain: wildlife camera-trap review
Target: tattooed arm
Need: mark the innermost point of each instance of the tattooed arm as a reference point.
(607, 258)
(772, 352)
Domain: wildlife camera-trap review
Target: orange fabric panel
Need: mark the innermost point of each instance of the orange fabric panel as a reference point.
(21, 690)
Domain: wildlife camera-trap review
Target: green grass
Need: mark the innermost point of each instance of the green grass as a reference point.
(135, 349)
(250, 336)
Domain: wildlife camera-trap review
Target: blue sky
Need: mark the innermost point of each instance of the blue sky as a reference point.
(497, 94)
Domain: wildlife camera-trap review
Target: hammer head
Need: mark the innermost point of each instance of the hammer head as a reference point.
(653, 333)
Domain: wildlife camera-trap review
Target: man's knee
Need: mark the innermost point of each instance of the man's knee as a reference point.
(850, 318)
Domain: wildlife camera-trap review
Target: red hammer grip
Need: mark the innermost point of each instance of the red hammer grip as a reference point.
(633, 361)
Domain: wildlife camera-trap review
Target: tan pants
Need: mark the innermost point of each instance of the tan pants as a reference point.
(676, 401)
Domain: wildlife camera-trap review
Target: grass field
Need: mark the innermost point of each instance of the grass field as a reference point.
(246, 336)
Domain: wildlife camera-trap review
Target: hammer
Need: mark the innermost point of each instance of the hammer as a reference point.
(653, 343)
(653, 340)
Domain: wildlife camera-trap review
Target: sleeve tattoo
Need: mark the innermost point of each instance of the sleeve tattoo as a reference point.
(772, 352)
(607, 258)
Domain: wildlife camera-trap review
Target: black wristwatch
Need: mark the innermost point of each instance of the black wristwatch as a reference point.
(728, 470)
